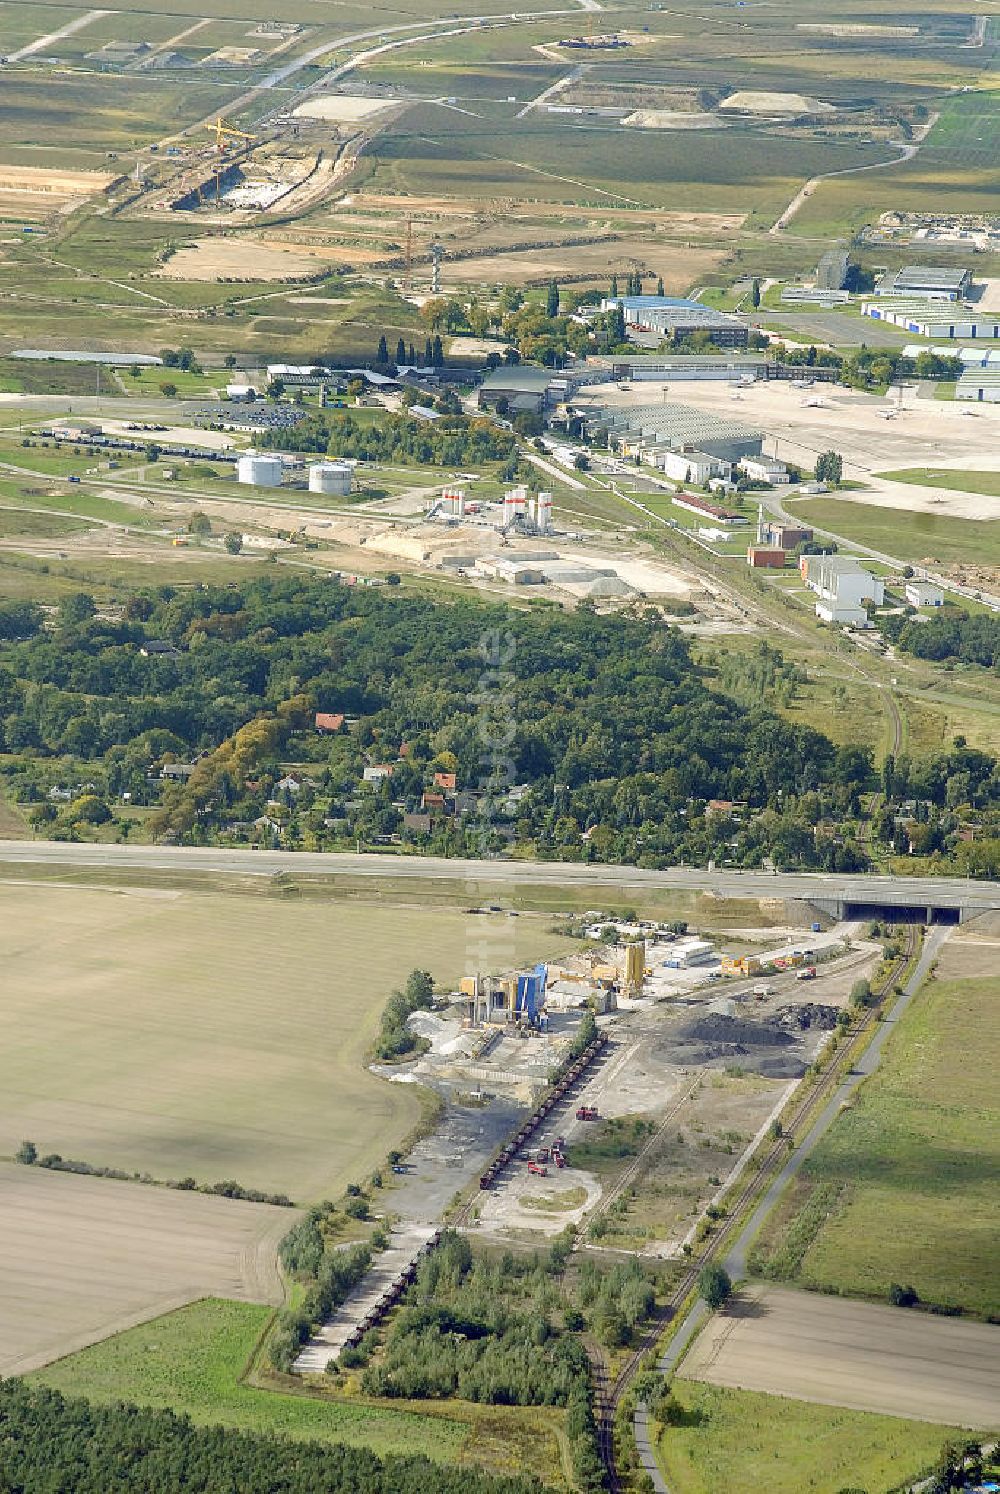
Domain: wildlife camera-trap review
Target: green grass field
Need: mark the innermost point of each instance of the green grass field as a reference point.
(908, 1173)
(216, 1036)
(735, 1440)
(922, 536)
(957, 482)
(193, 1361)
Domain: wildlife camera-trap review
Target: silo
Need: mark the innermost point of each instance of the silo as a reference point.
(259, 471)
(543, 513)
(331, 478)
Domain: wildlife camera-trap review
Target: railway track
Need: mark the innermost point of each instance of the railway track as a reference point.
(608, 1393)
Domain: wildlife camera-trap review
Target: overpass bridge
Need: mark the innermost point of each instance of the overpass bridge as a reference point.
(912, 899)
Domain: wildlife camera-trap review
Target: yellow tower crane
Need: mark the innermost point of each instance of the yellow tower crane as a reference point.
(224, 133)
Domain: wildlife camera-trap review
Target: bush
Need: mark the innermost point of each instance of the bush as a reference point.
(903, 1296)
(715, 1285)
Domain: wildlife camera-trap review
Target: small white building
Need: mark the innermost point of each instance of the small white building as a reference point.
(764, 469)
(923, 594)
(689, 466)
(240, 393)
(843, 614)
(687, 952)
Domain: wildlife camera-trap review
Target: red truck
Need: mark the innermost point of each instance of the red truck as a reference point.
(538, 1169)
(808, 974)
(588, 1113)
(559, 1159)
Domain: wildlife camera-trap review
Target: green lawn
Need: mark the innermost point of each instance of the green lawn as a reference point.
(910, 536)
(192, 1360)
(956, 482)
(737, 1440)
(907, 1176)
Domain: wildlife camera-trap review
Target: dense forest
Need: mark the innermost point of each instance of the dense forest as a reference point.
(49, 1443)
(452, 441)
(458, 728)
(950, 634)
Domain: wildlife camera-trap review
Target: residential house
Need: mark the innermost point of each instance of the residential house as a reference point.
(328, 721)
(446, 781)
(377, 772)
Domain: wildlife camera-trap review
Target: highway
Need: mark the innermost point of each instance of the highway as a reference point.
(488, 879)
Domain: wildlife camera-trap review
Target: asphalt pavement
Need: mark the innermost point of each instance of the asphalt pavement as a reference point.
(486, 880)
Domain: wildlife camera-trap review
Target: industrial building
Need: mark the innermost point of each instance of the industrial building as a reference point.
(831, 272)
(842, 587)
(673, 318)
(923, 594)
(519, 389)
(783, 536)
(766, 557)
(647, 430)
(508, 998)
(934, 282)
(980, 384)
(929, 318)
(258, 471)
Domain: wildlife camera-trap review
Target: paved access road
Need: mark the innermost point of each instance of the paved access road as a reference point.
(487, 880)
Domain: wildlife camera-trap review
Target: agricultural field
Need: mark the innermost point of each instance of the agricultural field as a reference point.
(193, 1361)
(128, 1049)
(86, 1257)
(854, 1354)
(902, 1189)
(730, 1440)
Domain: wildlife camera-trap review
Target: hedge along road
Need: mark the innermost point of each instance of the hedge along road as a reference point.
(735, 1261)
(487, 878)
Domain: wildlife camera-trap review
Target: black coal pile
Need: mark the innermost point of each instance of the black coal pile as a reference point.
(772, 1047)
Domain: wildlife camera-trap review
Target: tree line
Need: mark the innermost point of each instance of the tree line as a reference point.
(51, 1442)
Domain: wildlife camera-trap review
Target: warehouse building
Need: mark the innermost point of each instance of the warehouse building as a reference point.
(980, 384)
(517, 389)
(649, 430)
(935, 282)
(673, 319)
(933, 319)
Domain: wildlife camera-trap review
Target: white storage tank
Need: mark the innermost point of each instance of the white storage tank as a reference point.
(259, 471)
(332, 478)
